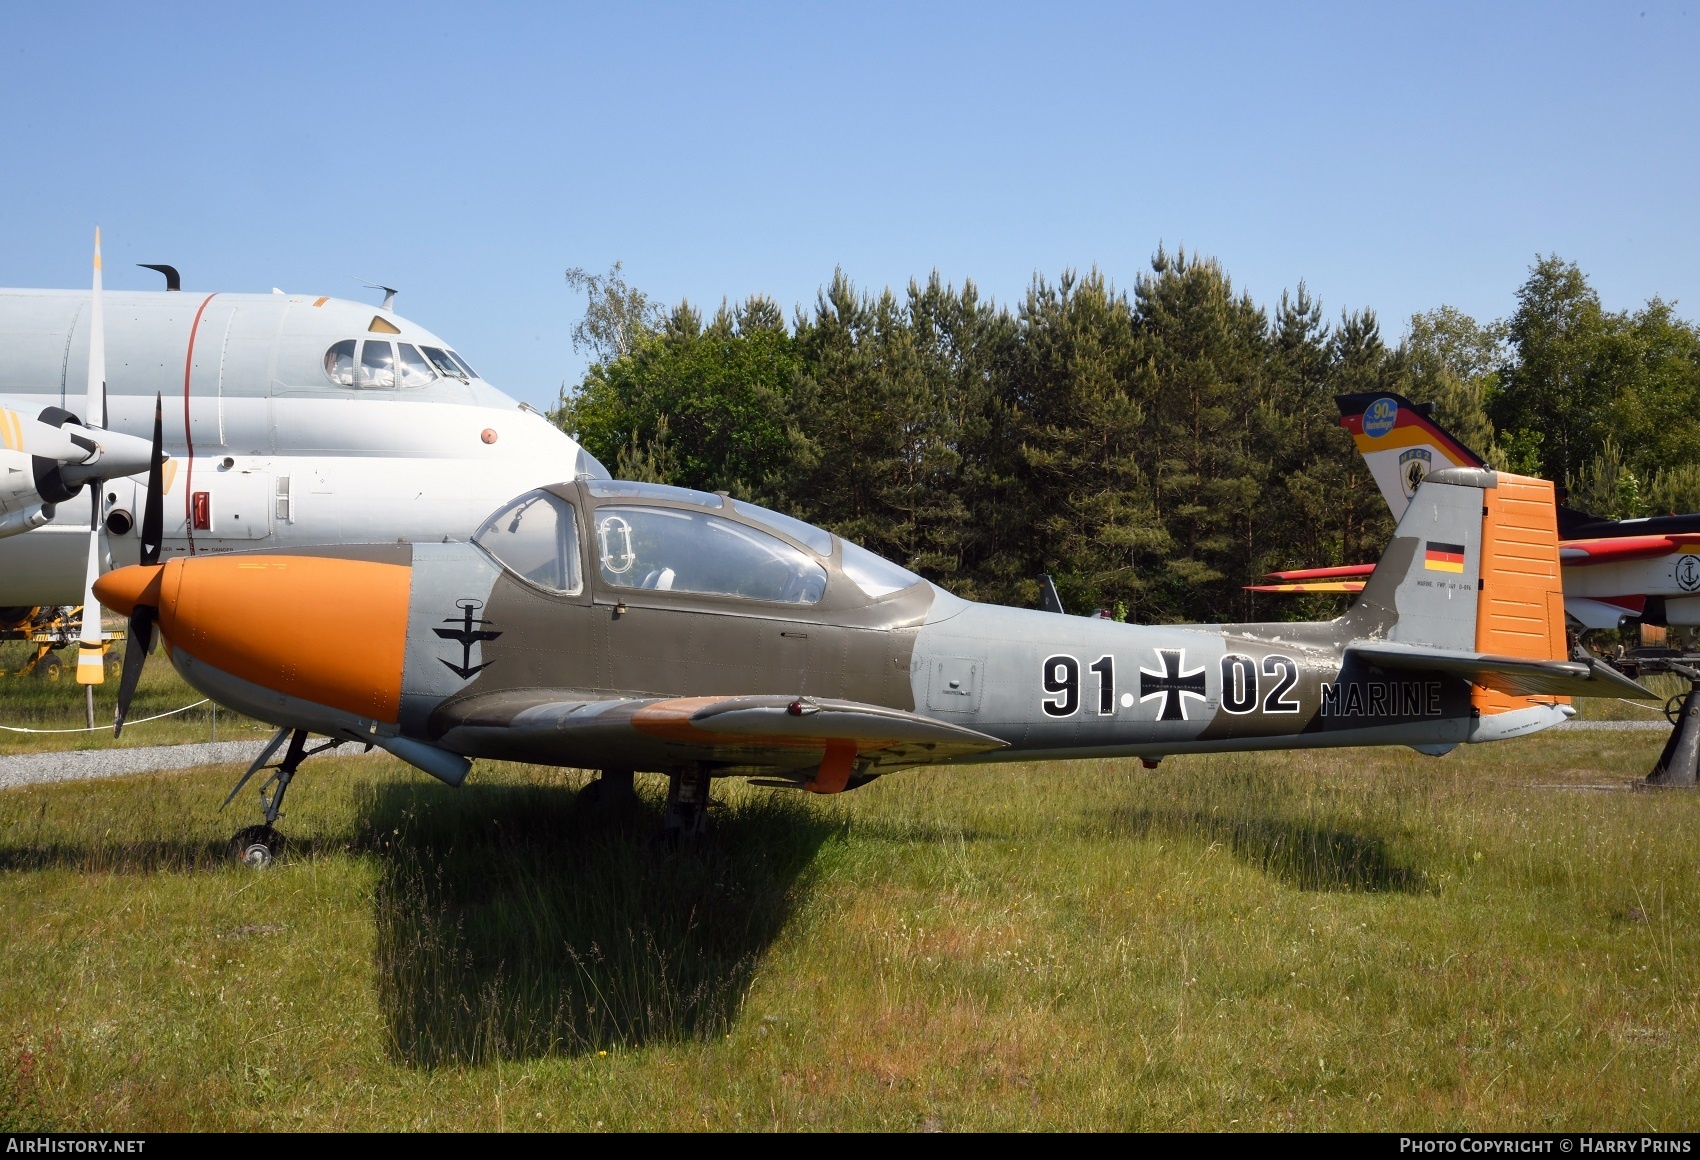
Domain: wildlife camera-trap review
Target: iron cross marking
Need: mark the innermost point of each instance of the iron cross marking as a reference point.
(467, 636)
(1173, 682)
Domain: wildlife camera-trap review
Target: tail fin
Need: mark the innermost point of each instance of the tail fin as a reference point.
(1473, 566)
(1401, 443)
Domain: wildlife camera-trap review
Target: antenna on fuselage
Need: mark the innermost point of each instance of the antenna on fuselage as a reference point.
(173, 280)
(389, 291)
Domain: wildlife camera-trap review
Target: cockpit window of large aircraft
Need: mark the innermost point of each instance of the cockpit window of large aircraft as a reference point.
(628, 489)
(339, 363)
(441, 360)
(415, 370)
(377, 364)
(535, 537)
(372, 364)
(669, 550)
(873, 574)
(817, 538)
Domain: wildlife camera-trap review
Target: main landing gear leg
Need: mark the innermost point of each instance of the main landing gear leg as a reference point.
(613, 788)
(686, 815)
(1679, 764)
(258, 846)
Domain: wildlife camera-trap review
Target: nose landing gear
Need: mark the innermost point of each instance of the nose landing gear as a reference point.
(259, 846)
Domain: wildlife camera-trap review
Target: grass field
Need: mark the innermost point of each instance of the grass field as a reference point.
(34, 704)
(1356, 939)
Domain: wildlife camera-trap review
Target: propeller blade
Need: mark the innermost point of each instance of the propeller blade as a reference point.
(90, 667)
(135, 656)
(90, 670)
(95, 412)
(153, 511)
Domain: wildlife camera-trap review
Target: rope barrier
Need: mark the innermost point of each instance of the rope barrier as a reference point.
(1643, 705)
(98, 728)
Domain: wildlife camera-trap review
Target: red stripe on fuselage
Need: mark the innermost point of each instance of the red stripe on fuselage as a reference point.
(188, 435)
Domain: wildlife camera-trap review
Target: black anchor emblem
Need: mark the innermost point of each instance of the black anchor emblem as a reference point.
(468, 636)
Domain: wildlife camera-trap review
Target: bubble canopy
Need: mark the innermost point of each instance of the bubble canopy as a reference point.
(669, 539)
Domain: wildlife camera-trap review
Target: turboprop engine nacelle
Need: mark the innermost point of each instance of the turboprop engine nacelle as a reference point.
(46, 460)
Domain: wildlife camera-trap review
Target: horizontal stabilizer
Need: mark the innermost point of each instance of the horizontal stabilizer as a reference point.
(1340, 572)
(1580, 553)
(1312, 586)
(1514, 675)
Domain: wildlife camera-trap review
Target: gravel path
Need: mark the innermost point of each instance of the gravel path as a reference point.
(80, 764)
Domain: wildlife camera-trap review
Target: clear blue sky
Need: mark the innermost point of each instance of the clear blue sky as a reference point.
(1396, 157)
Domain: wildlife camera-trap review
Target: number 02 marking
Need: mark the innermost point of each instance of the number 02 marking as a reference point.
(1276, 665)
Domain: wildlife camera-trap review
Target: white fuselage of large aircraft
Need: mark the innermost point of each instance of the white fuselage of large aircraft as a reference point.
(289, 419)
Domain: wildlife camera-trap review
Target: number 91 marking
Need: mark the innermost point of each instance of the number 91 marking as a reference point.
(1061, 680)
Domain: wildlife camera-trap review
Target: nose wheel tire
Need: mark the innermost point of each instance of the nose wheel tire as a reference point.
(256, 846)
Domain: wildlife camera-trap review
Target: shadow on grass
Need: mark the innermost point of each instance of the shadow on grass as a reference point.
(512, 925)
(141, 856)
(1305, 855)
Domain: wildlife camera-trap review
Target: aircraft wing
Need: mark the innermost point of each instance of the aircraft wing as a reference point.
(1519, 676)
(1580, 553)
(819, 742)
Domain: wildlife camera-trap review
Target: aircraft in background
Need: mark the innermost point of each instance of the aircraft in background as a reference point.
(1646, 568)
(291, 419)
(637, 627)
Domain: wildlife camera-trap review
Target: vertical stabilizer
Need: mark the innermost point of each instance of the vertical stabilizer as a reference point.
(1424, 589)
(1401, 443)
(1472, 567)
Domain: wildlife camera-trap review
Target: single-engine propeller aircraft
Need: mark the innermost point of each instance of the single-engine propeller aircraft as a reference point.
(1611, 569)
(637, 627)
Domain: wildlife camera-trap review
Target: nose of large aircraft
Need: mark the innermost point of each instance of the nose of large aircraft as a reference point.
(331, 631)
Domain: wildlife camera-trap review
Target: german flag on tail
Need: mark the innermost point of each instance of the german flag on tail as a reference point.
(1438, 557)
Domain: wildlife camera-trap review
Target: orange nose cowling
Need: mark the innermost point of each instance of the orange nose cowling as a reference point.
(123, 589)
(329, 631)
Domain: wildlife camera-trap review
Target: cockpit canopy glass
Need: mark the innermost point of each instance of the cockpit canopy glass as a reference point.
(536, 538)
(371, 364)
(589, 467)
(819, 539)
(669, 550)
(627, 489)
(873, 574)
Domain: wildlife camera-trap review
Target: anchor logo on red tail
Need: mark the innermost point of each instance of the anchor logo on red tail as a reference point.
(468, 636)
